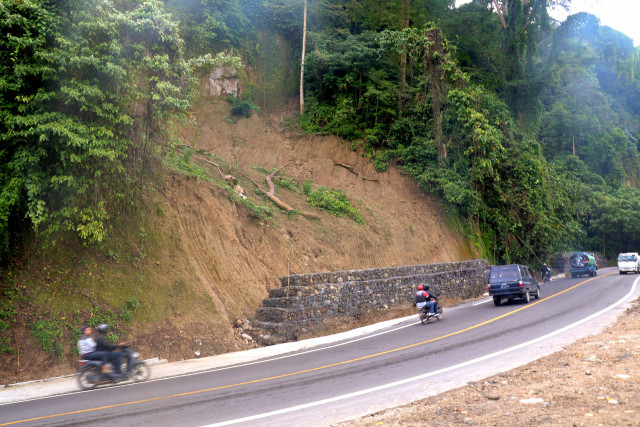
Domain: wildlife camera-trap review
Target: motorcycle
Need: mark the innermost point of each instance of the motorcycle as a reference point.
(91, 375)
(426, 317)
(546, 276)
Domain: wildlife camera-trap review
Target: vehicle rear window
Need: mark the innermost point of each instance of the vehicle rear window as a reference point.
(627, 258)
(504, 274)
(579, 260)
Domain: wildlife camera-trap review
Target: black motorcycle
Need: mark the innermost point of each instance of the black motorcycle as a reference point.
(91, 375)
(546, 276)
(426, 317)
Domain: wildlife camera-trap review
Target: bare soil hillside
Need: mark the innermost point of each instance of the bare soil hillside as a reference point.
(237, 257)
(210, 260)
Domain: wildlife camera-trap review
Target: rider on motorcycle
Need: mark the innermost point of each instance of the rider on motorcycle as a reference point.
(425, 299)
(114, 354)
(545, 271)
(87, 348)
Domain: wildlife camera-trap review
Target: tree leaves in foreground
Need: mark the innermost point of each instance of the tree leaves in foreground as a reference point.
(84, 88)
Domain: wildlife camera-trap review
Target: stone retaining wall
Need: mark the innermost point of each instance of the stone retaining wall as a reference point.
(305, 300)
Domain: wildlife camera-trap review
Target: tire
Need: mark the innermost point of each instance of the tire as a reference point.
(439, 314)
(573, 276)
(526, 298)
(88, 378)
(537, 295)
(140, 372)
(424, 319)
(497, 301)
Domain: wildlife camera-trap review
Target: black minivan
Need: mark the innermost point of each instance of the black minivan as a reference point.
(512, 281)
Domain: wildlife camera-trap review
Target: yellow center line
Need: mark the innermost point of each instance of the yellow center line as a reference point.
(306, 370)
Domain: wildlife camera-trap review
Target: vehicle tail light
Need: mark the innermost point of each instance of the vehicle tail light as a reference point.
(521, 285)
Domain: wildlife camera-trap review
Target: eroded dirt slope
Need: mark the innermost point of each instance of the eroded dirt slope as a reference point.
(238, 256)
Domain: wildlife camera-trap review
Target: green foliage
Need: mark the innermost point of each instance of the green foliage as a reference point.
(262, 212)
(99, 315)
(513, 178)
(285, 183)
(130, 306)
(307, 187)
(182, 163)
(6, 346)
(132, 303)
(73, 78)
(615, 220)
(207, 62)
(49, 332)
(333, 201)
(520, 128)
(219, 25)
(241, 106)
(9, 304)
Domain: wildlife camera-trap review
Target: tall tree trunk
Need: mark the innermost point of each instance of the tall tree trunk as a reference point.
(435, 54)
(405, 12)
(500, 13)
(304, 48)
(403, 55)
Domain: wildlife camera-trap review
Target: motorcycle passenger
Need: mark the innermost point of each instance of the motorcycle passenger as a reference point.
(546, 271)
(87, 348)
(114, 355)
(425, 299)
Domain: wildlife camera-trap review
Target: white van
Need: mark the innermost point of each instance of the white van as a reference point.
(628, 263)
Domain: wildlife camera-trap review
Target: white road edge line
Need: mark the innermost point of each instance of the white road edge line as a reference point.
(320, 347)
(430, 374)
(313, 350)
(482, 302)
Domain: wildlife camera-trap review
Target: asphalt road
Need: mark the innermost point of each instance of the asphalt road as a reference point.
(345, 379)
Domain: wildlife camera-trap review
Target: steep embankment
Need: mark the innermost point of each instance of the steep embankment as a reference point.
(208, 260)
(238, 257)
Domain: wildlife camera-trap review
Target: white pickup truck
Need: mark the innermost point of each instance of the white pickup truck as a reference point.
(628, 263)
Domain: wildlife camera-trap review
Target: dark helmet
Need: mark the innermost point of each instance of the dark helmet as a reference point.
(420, 287)
(102, 328)
(426, 287)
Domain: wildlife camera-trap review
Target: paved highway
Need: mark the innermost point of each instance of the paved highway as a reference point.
(349, 378)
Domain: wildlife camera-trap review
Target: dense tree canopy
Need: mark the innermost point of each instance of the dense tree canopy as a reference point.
(83, 91)
(528, 129)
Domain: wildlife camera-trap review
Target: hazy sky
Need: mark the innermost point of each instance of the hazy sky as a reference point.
(622, 15)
